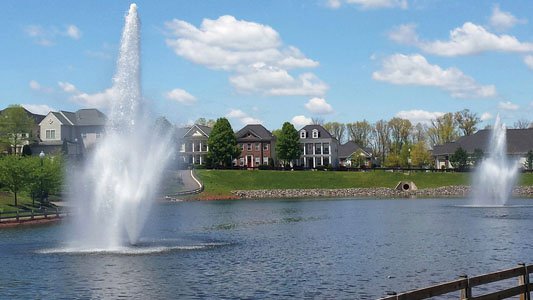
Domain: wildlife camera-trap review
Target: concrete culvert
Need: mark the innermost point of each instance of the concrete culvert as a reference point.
(406, 186)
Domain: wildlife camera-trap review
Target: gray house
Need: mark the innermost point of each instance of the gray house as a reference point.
(519, 142)
(319, 147)
(193, 148)
(78, 131)
(348, 152)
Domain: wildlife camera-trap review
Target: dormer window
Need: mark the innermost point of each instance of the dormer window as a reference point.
(315, 133)
(302, 134)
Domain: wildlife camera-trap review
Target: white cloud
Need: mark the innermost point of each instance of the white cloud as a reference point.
(181, 96)
(319, 106)
(466, 40)
(528, 60)
(419, 116)
(508, 105)
(261, 66)
(41, 109)
(73, 32)
(415, 70)
(301, 121)
(502, 20)
(486, 116)
(47, 36)
(36, 86)
(369, 4)
(96, 100)
(243, 117)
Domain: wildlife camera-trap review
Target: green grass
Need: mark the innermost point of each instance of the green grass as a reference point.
(222, 182)
(7, 201)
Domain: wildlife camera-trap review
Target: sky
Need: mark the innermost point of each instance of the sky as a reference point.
(274, 61)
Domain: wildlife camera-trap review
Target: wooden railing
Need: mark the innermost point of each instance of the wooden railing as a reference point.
(22, 215)
(464, 286)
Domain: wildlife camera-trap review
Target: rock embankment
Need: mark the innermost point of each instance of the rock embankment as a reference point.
(446, 191)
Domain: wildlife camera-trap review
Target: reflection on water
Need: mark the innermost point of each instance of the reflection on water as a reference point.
(336, 248)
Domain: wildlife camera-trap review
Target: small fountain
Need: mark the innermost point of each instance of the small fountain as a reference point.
(494, 180)
(116, 187)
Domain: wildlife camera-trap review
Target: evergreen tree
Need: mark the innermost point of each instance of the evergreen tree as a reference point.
(459, 159)
(288, 144)
(222, 144)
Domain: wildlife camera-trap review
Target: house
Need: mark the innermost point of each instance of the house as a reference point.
(353, 155)
(257, 146)
(77, 131)
(193, 144)
(26, 138)
(319, 147)
(519, 143)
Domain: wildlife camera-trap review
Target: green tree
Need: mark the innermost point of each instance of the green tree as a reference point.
(477, 156)
(420, 155)
(529, 160)
(205, 122)
(222, 144)
(16, 127)
(466, 121)
(382, 139)
(459, 159)
(359, 132)
(14, 174)
(45, 176)
(336, 129)
(443, 130)
(358, 159)
(400, 130)
(288, 144)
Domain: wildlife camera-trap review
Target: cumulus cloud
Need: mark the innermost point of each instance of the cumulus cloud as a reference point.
(243, 117)
(260, 66)
(486, 116)
(41, 109)
(415, 70)
(508, 105)
(319, 106)
(419, 116)
(96, 100)
(300, 121)
(369, 4)
(466, 40)
(47, 36)
(181, 96)
(36, 86)
(502, 20)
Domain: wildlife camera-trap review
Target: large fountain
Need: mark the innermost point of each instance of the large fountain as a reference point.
(494, 180)
(116, 187)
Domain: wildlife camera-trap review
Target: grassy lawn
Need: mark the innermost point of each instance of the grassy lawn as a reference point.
(7, 201)
(222, 182)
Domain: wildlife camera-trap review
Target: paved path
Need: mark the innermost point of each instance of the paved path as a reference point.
(190, 182)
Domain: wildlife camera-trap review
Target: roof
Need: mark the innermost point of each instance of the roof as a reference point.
(348, 148)
(187, 131)
(254, 132)
(519, 142)
(322, 132)
(90, 117)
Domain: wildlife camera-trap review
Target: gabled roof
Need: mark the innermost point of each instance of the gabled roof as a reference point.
(190, 130)
(90, 117)
(254, 132)
(519, 142)
(322, 132)
(61, 118)
(347, 149)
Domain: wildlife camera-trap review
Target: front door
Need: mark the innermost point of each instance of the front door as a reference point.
(250, 161)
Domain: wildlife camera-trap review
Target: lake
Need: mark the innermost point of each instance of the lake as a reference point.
(281, 249)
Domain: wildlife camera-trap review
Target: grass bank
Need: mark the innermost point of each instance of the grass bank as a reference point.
(220, 183)
(7, 201)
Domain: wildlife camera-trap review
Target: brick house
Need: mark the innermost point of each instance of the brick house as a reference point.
(257, 146)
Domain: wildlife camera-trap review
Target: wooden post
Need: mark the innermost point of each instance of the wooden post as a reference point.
(17, 215)
(466, 292)
(45, 214)
(523, 280)
(57, 212)
(32, 214)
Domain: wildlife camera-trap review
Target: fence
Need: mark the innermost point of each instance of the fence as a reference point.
(464, 286)
(24, 215)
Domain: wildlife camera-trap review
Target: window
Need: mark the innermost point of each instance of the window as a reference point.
(50, 134)
(257, 160)
(318, 148)
(249, 147)
(84, 135)
(309, 149)
(204, 146)
(98, 135)
(302, 149)
(257, 146)
(242, 160)
(182, 148)
(302, 134)
(326, 160)
(315, 133)
(265, 160)
(265, 147)
(242, 146)
(326, 148)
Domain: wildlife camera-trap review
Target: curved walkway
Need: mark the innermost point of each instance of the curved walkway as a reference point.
(191, 184)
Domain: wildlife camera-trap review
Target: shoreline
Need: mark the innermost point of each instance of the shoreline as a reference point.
(29, 222)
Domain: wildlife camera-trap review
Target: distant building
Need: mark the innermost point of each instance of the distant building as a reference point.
(73, 132)
(519, 143)
(257, 146)
(27, 138)
(349, 151)
(193, 144)
(319, 148)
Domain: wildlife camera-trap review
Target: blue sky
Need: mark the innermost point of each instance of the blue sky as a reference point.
(274, 61)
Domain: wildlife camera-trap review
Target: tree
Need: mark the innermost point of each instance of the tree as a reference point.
(382, 138)
(336, 129)
(358, 159)
(14, 174)
(521, 124)
(222, 144)
(477, 156)
(359, 132)
(205, 122)
(443, 130)
(467, 121)
(317, 121)
(420, 155)
(459, 159)
(16, 127)
(400, 130)
(45, 176)
(529, 160)
(419, 133)
(288, 144)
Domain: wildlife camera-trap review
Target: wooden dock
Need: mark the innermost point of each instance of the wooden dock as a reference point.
(463, 286)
